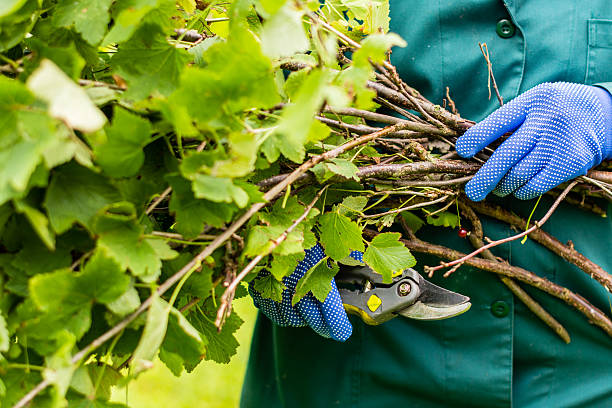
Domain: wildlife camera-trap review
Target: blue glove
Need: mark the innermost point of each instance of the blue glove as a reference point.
(327, 319)
(561, 130)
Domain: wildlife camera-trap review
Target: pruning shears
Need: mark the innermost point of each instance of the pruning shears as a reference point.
(364, 294)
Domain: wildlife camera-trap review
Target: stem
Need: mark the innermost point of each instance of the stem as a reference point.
(567, 252)
(537, 225)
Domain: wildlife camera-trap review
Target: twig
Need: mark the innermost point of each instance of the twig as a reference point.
(158, 200)
(569, 253)
(410, 207)
(599, 175)
(231, 287)
(99, 84)
(536, 225)
(491, 78)
(364, 129)
(451, 103)
(424, 183)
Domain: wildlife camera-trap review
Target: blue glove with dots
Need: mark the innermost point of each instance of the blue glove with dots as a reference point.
(561, 130)
(328, 319)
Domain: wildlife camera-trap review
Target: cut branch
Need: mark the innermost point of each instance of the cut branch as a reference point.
(594, 315)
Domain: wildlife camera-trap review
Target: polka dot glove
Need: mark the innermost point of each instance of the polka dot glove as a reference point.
(561, 130)
(327, 319)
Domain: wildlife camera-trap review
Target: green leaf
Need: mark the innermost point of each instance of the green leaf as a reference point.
(152, 335)
(221, 345)
(344, 168)
(220, 190)
(193, 214)
(4, 335)
(120, 236)
(444, 219)
(102, 279)
(224, 86)
(89, 17)
(352, 204)
(149, 64)
(67, 58)
(183, 340)
(30, 142)
(297, 119)
(15, 26)
(128, 15)
(277, 221)
(121, 155)
(269, 288)
(58, 295)
(85, 379)
(283, 34)
(316, 280)
(388, 256)
(243, 154)
(283, 265)
(76, 194)
(66, 100)
(9, 6)
(126, 303)
(413, 221)
(39, 223)
(339, 235)
(34, 259)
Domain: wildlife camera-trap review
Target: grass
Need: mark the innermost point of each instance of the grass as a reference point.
(210, 385)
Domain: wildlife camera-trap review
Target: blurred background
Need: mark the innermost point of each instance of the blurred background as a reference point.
(210, 385)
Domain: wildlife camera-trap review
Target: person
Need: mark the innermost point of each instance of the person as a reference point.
(547, 58)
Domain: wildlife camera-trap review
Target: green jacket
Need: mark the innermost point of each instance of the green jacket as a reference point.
(497, 354)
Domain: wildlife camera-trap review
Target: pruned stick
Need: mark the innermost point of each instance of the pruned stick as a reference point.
(567, 252)
(536, 225)
(593, 314)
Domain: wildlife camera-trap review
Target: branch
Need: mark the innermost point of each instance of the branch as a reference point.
(567, 252)
(594, 315)
(410, 207)
(536, 225)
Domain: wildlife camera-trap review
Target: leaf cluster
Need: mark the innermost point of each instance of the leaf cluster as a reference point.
(125, 149)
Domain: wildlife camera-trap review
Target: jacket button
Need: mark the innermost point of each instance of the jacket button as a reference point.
(500, 308)
(505, 28)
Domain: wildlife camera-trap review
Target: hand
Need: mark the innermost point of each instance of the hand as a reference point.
(561, 130)
(328, 319)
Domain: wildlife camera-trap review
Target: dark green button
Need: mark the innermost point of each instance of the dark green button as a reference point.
(505, 28)
(500, 308)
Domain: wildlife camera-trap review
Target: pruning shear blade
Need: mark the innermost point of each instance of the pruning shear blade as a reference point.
(364, 294)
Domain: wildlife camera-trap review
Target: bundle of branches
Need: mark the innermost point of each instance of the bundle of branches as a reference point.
(155, 158)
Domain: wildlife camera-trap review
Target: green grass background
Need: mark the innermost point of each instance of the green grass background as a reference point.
(210, 385)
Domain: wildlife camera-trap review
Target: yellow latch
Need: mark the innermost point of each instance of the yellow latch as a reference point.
(374, 303)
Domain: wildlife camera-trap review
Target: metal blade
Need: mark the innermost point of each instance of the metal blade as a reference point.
(436, 303)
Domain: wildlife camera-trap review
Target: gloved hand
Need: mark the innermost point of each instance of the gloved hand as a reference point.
(561, 131)
(328, 319)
